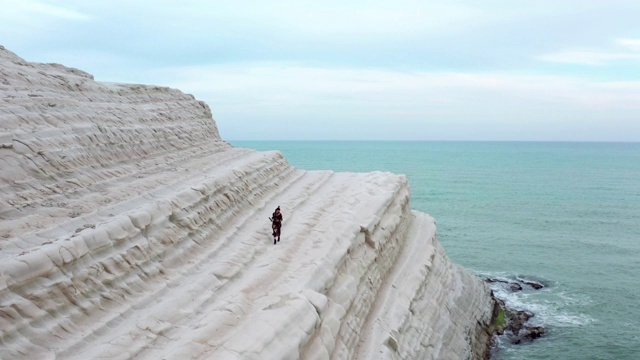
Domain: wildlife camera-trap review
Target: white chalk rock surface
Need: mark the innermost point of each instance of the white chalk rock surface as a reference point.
(130, 229)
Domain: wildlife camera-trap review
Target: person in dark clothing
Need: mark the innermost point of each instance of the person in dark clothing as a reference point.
(276, 224)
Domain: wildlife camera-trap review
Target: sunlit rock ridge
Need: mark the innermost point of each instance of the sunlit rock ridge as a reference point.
(130, 229)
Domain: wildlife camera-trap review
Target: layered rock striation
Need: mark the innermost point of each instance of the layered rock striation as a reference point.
(130, 229)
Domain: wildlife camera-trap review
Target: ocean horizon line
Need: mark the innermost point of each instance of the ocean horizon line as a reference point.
(443, 141)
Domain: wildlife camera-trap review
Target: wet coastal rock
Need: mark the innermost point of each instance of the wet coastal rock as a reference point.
(515, 285)
(513, 323)
(518, 330)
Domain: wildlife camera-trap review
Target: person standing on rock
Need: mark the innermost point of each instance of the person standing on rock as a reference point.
(276, 224)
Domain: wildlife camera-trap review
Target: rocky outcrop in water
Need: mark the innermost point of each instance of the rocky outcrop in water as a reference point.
(130, 229)
(514, 323)
(517, 328)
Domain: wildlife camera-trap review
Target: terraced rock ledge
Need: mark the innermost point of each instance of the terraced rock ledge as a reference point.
(130, 229)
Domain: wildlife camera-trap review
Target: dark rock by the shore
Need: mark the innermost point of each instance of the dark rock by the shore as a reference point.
(534, 284)
(516, 285)
(518, 330)
(515, 322)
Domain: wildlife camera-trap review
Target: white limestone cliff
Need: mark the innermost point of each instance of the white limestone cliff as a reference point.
(130, 229)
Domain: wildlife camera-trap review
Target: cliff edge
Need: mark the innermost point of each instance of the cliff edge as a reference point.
(130, 229)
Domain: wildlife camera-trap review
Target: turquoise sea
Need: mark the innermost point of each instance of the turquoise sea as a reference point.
(565, 214)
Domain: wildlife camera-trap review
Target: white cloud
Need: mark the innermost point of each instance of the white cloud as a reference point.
(26, 22)
(627, 49)
(26, 10)
(368, 68)
(631, 44)
(321, 103)
(385, 19)
(309, 83)
(331, 17)
(586, 57)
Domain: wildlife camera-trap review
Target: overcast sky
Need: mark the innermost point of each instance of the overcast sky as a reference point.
(356, 70)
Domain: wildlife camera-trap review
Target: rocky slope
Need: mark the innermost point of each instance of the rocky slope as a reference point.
(130, 229)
